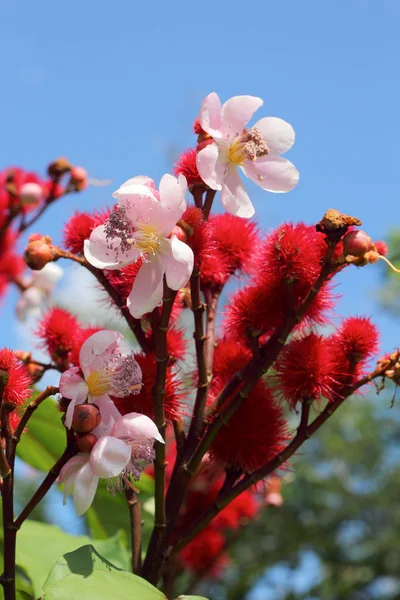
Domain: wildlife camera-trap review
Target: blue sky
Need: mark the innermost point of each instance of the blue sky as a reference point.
(115, 87)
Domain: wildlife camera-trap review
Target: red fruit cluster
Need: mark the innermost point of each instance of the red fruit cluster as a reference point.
(186, 165)
(79, 228)
(14, 379)
(257, 430)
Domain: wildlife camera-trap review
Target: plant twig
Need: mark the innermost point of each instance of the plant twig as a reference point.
(45, 485)
(162, 358)
(253, 478)
(210, 195)
(180, 437)
(30, 409)
(7, 494)
(198, 192)
(135, 514)
(211, 297)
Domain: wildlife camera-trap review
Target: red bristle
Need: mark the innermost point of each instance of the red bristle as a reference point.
(237, 239)
(79, 228)
(143, 402)
(14, 377)
(200, 238)
(57, 330)
(381, 248)
(205, 552)
(241, 509)
(186, 165)
(122, 279)
(357, 338)
(176, 342)
(305, 370)
(215, 270)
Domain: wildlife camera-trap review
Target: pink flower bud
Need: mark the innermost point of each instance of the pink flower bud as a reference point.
(86, 441)
(357, 243)
(58, 167)
(38, 252)
(86, 417)
(180, 234)
(78, 178)
(31, 194)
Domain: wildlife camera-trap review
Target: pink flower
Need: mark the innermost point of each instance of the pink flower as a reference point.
(103, 370)
(139, 228)
(256, 151)
(123, 453)
(38, 292)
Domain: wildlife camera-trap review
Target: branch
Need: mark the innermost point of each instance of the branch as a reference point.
(7, 493)
(212, 298)
(303, 433)
(162, 358)
(30, 409)
(46, 484)
(210, 195)
(135, 513)
(133, 324)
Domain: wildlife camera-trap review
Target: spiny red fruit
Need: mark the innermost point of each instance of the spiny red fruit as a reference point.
(186, 165)
(237, 239)
(176, 342)
(57, 330)
(257, 430)
(215, 270)
(293, 252)
(14, 378)
(143, 402)
(204, 551)
(357, 338)
(305, 369)
(200, 235)
(79, 228)
(241, 509)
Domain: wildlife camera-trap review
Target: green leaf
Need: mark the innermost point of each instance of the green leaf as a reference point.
(44, 442)
(191, 598)
(86, 575)
(40, 546)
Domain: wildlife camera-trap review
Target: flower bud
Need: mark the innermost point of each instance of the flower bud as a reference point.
(58, 167)
(357, 243)
(78, 178)
(31, 194)
(86, 417)
(38, 253)
(86, 441)
(382, 248)
(180, 234)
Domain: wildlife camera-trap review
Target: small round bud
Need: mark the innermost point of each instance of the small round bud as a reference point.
(38, 253)
(180, 234)
(357, 243)
(86, 441)
(86, 417)
(78, 178)
(31, 194)
(58, 167)
(382, 248)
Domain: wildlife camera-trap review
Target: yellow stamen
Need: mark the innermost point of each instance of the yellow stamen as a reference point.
(146, 238)
(236, 153)
(99, 383)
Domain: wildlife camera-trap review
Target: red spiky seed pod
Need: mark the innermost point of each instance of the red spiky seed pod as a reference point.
(357, 338)
(305, 370)
(14, 379)
(186, 165)
(199, 234)
(79, 228)
(237, 239)
(57, 331)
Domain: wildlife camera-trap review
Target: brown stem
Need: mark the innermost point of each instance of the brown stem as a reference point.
(198, 192)
(46, 484)
(212, 298)
(253, 478)
(30, 409)
(180, 436)
(133, 324)
(135, 513)
(160, 328)
(210, 195)
(305, 414)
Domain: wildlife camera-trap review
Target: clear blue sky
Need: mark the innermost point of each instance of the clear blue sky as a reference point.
(115, 87)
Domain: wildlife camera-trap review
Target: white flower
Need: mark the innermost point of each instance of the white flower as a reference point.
(138, 229)
(103, 370)
(124, 453)
(256, 151)
(38, 293)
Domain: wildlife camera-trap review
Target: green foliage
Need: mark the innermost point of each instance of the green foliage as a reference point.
(87, 575)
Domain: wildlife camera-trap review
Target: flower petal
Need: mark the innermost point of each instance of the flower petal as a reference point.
(210, 115)
(73, 386)
(105, 254)
(97, 350)
(109, 456)
(29, 303)
(147, 288)
(278, 134)
(47, 277)
(137, 428)
(211, 166)
(172, 200)
(237, 112)
(109, 415)
(85, 487)
(70, 470)
(234, 197)
(272, 173)
(178, 259)
(140, 180)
